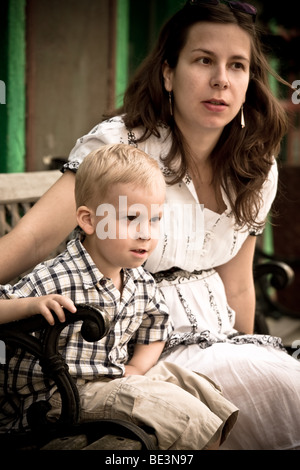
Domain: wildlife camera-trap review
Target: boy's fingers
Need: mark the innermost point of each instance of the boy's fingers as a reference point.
(47, 315)
(56, 304)
(66, 303)
(58, 310)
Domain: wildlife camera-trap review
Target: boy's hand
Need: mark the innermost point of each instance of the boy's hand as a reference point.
(55, 302)
(132, 370)
(144, 357)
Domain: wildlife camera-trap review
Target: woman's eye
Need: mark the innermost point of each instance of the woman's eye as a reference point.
(238, 66)
(204, 60)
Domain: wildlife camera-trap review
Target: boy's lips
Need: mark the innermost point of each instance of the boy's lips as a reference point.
(139, 253)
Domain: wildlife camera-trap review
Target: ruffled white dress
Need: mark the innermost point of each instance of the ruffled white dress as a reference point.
(254, 372)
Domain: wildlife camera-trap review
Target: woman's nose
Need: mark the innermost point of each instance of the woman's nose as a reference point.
(220, 79)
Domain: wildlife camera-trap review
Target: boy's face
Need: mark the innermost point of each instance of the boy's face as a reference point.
(125, 227)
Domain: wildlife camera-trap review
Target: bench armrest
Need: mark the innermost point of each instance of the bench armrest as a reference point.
(95, 326)
(271, 275)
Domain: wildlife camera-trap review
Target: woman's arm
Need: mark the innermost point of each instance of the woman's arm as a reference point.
(144, 357)
(237, 276)
(16, 309)
(40, 231)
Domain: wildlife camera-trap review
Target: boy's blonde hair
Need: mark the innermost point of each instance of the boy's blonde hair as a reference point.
(111, 164)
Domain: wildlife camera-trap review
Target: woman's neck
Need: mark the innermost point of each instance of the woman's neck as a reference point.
(199, 148)
(200, 142)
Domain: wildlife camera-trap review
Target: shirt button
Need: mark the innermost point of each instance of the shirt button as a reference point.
(102, 282)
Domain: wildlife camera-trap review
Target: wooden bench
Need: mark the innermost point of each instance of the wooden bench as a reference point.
(18, 192)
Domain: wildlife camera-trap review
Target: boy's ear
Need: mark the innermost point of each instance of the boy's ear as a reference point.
(86, 219)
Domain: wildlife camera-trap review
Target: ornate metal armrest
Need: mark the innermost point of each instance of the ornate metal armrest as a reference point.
(94, 327)
(281, 274)
(272, 274)
(19, 334)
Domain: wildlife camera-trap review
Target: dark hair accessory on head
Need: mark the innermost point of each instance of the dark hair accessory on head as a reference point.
(239, 6)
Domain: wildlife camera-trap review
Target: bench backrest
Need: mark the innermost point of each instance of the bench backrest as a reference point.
(18, 193)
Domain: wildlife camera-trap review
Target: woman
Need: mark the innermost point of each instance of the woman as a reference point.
(201, 105)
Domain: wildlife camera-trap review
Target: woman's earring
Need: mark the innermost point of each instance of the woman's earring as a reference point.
(170, 103)
(242, 117)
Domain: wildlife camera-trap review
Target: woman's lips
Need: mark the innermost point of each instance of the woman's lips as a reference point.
(215, 105)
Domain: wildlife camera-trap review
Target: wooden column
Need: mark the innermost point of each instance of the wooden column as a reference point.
(12, 73)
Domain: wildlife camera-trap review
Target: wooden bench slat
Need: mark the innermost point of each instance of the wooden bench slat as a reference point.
(110, 442)
(67, 443)
(26, 187)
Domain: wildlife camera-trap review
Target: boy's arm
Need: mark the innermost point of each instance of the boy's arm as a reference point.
(16, 309)
(144, 357)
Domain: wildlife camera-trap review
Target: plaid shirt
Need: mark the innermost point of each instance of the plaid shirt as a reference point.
(139, 314)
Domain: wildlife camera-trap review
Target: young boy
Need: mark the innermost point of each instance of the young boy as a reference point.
(119, 195)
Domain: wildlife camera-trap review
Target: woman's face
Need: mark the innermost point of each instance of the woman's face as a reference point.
(211, 78)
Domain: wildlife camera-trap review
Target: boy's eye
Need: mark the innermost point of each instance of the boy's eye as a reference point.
(131, 217)
(156, 219)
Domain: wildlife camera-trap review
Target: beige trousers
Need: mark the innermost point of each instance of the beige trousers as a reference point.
(186, 410)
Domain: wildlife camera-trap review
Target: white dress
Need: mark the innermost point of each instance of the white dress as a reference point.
(254, 372)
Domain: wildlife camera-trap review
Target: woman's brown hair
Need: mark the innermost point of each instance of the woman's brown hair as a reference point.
(241, 160)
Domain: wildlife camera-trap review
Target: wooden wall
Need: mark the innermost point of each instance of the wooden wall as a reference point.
(69, 66)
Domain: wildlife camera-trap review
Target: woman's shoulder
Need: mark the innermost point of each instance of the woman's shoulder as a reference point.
(114, 128)
(268, 194)
(114, 131)
(271, 182)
